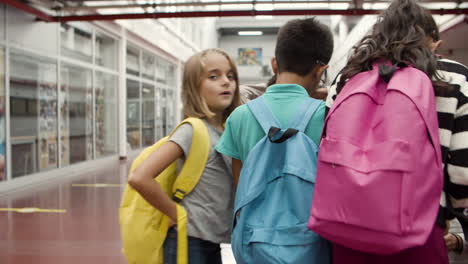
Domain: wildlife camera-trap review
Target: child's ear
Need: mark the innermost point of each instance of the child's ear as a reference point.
(320, 70)
(435, 45)
(274, 65)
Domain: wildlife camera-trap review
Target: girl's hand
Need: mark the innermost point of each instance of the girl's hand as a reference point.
(172, 223)
(451, 241)
(454, 242)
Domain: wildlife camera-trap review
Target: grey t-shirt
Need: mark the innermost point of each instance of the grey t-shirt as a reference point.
(210, 204)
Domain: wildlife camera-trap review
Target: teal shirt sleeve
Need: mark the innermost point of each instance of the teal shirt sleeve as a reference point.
(229, 142)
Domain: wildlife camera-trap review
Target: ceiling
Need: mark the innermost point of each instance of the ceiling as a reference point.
(91, 10)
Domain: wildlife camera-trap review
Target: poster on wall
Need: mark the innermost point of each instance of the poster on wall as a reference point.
(159, 129)
(47, 125)
(2, 116)
(64, 122)
(52, 154)
(100, 130)
(249, 57)
(89, 124)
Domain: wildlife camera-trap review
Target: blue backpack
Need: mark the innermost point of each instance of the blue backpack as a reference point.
(274, 194)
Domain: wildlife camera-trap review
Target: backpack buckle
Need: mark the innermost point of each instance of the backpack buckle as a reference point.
(178, 195)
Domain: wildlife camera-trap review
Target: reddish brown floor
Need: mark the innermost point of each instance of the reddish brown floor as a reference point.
(87, 233)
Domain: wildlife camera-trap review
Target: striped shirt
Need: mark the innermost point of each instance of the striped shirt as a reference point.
(452, 112)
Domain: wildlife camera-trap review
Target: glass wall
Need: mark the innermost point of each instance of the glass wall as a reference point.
(77, 41)
(171, 107)
(106, 51)
(133, 114)
(149, 66)
(55, 124)
(63, 105)
(106, 114)
(2, 114)
(133, 61)
(77, 116)
(158, 116)
(33, 109)
(166, 82)
(148, 111)
(148, 97)
(151, 110)
(2, 21)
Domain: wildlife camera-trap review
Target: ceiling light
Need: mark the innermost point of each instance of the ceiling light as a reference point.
(263, 17)
(250, 33)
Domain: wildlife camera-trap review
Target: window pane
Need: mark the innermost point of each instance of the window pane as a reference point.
(148, 114)
(133, 114)
(77, 115)
(76, 42)
(2, 113)
(33, 103)
(149, 66)
(2, 21)
(170, 102)
(161, 71)
(159, 121)
(133, 61)
(106, 114)
(164, 111)
(106, 51)
(171, 76)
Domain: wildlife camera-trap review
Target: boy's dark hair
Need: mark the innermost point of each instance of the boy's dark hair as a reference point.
(302, 44)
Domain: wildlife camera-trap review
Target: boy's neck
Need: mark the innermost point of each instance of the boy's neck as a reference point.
(293, 78)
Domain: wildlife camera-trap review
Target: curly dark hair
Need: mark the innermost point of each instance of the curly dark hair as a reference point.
(401, 35)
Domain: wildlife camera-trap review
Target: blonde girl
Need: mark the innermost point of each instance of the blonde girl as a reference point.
(210, 91)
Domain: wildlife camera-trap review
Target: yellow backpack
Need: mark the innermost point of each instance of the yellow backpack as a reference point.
(143, 227)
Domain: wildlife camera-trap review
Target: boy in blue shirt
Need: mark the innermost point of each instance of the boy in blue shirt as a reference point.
(303, 50)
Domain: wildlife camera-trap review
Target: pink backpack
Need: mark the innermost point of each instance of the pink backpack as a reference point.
(379, 171)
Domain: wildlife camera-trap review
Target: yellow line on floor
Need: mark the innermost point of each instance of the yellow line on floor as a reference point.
(32, 210)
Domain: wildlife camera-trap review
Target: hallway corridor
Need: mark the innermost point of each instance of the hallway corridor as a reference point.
(86, 231)
(77, 221)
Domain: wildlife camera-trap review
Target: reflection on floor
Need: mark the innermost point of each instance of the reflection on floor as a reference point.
(77, 220)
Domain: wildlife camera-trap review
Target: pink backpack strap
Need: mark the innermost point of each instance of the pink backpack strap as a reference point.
(405, 81)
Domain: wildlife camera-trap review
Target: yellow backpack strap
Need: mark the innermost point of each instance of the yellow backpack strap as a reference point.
(187, 180)
(195, 161)
(182, 239)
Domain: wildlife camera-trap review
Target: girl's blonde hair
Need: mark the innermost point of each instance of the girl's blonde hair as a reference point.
(194, 104)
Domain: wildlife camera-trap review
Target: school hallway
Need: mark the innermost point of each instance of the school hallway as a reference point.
(86, 85)
(76, 220)
(73, 219)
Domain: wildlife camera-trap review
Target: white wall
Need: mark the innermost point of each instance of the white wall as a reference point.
(26, 32)
(250, 74)
(343, 45)
(460, 55)
(453, 35)
(167, 34)
(209, 34)
(454, 47)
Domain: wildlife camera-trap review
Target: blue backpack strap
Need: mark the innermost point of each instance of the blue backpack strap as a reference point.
(304, 113)
(263, 114)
